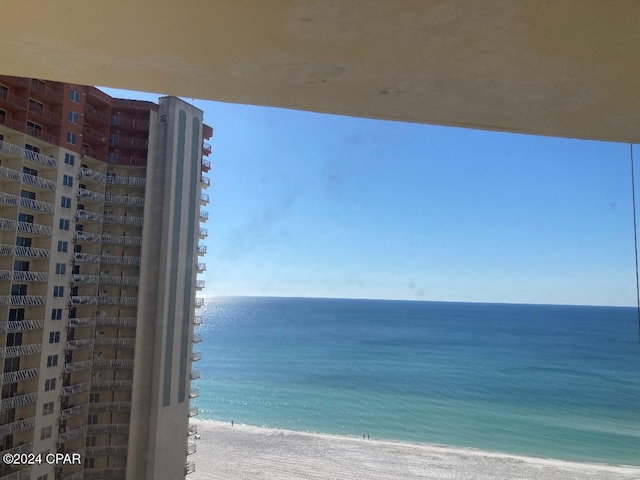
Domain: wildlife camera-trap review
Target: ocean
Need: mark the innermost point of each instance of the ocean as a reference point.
(538, 380)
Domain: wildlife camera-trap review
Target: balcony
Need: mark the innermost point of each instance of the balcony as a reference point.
(202, 250)
(110, 407)
(115, 342)
(201, 267)
(114, 428)
(205, 181)
(194, 393)
(6, 224)
(195, 374)
(204, 215)
(79, 475)
(21, 350)
(93, 114)
(115, 451)
(45, 114)
(36, 205)
(206, 150)
(34, 228)
(83, 300)
(76, 388)
(193, 411)
(122, 240)
(86, 257)
(130, 123)
(113, 364)
(197, 320)
(20, 276)
(42, 135)
(192, 430)
(90, 152)
(78, 366)
(197, 338)
(38, 182)
(90, 216)
(24, 448)
(74, 411)
(116, 321)
(71, 434)
(13, 100)
(15, 427)
(196, 356)
(85, 194)
(191, 448)
(92, 174)
(204, 198)
(122, 260)
(6, 250)
(18, 401)
(91, 134)
(123, 220)
(113, 385)
(82, 322)
(100, 473)
(114, 280)
(8, 199)
(80, 278)
(9, 174)
(199, 302)
(77, 344)
(20, 376)
(202, 232)
(24, 325)
(32, 252)
(42, 90)
(126, 181)
(87, 237)
(200, 284)
(22, 300)
(131, 201)
(124, 301)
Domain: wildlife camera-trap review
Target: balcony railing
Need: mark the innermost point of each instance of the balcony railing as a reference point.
(197, 338)
(38, 206)
(90, 216)
(111, 364)
(116, 321)
(12, 99)
(199, 302)
(39, 133)
(82, 322)
(20, 350)
(114, 428)
(195, 374)
(71, 434)
(20, 375)
(87, 237)
(194, 393)
(20, 276)
(79, 475)
(18, 401)
(88, 173)
(201, 267)
(32, 252)
(85, 194)
(126, 181)
(196, 356)
(115, 451)
(202, 232)
(6, 250)
(9, 174)
(30, 155)
(76, 388)
(22, 300)
(197, 320)
(110, 407)
(77, 344)
(122, 260)
(6, 224)
(121, 240)
(97, 115)
(202, 249)
(34, 228)
(193, 411)
(86, 257)
(206, 150)
(115, 342)
(8, 199)
(125, 301)
(78, 366)
(20, 425)
(191, 448)
(204, 198)
(24, 448)
(113, 385)
(206, 181)
(117, 200)
(83, 300)
(74, 411)
(80, 278)
(38, 182)
(200, 284)
(24, 325)
(100, 473)
(24, 474)
(123, 220)
(115, 280)
(192, 430)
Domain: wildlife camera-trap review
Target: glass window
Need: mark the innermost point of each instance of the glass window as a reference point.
(74, 95)
(72, 116)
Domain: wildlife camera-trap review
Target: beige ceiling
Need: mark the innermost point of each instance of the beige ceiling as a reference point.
(557, 67)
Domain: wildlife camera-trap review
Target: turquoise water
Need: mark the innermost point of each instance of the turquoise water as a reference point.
(541, 380)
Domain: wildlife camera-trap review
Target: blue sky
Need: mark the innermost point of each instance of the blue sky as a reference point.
(306, 204)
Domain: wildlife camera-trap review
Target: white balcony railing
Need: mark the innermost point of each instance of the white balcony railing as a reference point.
(6, 250)
(200, 283)
(71, 434)
(204, 198)
(115, 451)
(114, 428)
(87, 237)
(194, 393)
(80, 278)
(34, 228)
(77, 344)
(193, 411)
(24, 325)
(192, 430)
(38, 182)
(24, 474)
(121, 240)
(196, 356)
(197, 338)
(76, 388)
(10, 428)
(18, 401)
(77, 366)
(88, 173)
(125, 301)
(86, 257)
(22, 300)
(116, 321)
(38, 206)
(122, 260)
(204, 215)
(23, 448)
(199, 302)
(115, 342)
(20, 375)
(191, 448)
(118, 200)
(195, 374)
(100, 473)
(202, 249)
(82, 322)
(9, 174)
(85, 194)
(115, 280)
(126, 181)
(197, 320)
(110, 407)
(123, 220)
(83, 300)
(20, 350)
(32, 252)
(189, 468)
(74, 411)
(21, 276)
(7, 224)
(113, 385)
(201, 267)
(35, 157)
(8, 199)
(90, 216)
(202, 232)
(111, 364)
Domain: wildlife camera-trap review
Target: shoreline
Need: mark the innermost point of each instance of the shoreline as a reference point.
(248, 452)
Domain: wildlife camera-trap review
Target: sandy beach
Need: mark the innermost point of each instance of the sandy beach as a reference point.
(251, 453)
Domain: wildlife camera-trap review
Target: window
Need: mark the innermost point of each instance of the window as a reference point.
(91, 441)
(94, 397)
(92, 419)
(65, 202)
(71, 138)
(28, 194)
(30, 171)
(18, 290)
(52, 360)
(115, 120)
(89, 462)
(72, 116)
(64, 224)
(36, 106)
(34, 129)
(47, 408)
(54, 337)
(56, 314)
(23, 217)
(45, 432)
(49, 384)
(23, 242)
(114, 139)
(67, 181)
(63, 246)
(58, 291)
(69, 159)
(16, 314)
(61, 268)
(74, 95)
(113, 158)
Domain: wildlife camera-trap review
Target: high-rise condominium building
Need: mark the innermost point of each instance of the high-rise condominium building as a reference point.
(100, 211)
